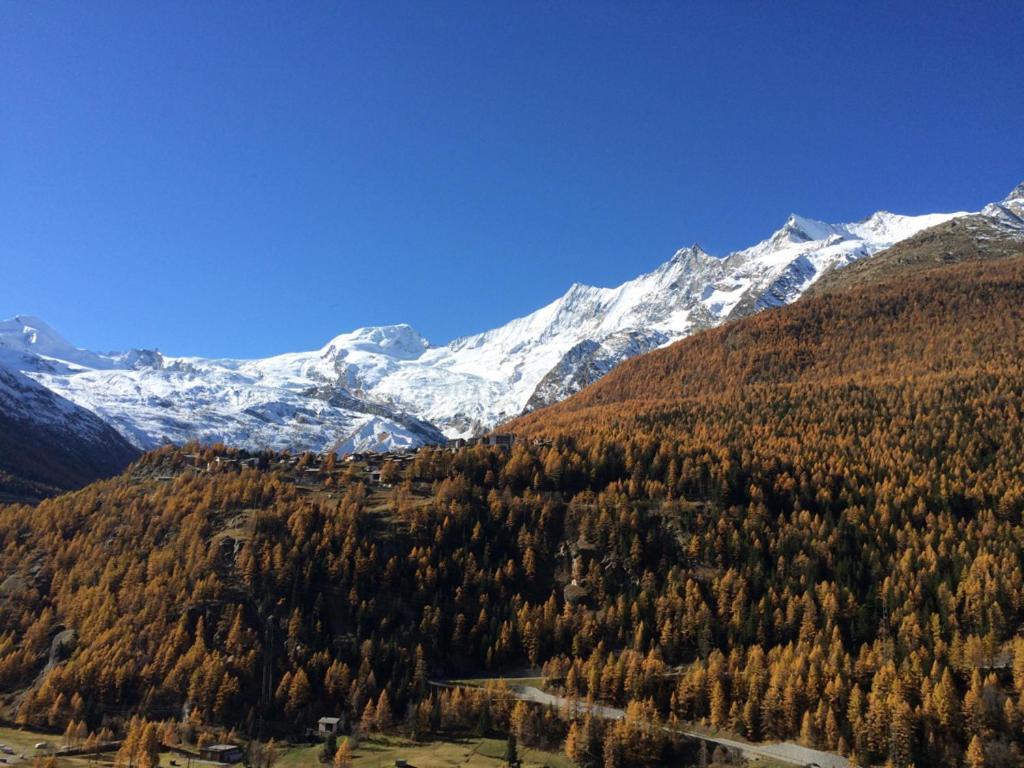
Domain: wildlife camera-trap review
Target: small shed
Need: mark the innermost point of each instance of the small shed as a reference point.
(328, 725)
(221, 753)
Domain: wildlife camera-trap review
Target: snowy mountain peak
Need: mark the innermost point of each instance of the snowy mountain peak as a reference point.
(1016, 194)
(879, 221)
(694, 254)
(800, 229)
(400, 341)
(579, 289)
(34, 339)
(387, 386)
(25, 333)
(31, 336)
(883, 228)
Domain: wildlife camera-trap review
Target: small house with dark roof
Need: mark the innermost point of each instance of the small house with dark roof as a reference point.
(221, 753)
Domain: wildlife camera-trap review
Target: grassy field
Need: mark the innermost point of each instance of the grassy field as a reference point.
(382, 751)
(376, 752)
(23, 743)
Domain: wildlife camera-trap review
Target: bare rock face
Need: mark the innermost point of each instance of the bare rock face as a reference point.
(62, 646)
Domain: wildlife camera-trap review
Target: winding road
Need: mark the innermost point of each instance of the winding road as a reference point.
(783, 751)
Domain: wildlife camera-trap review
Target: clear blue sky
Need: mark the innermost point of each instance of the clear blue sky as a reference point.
(241, 178)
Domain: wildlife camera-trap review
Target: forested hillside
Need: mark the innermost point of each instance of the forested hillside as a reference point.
(865, 448)
(803, 525)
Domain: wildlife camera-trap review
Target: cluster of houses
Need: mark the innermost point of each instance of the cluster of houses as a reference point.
(373, 461)
(497, 440)
(198, 466)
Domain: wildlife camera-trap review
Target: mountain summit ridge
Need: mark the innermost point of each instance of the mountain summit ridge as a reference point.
(385, 387)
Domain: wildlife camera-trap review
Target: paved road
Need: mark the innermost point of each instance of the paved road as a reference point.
(785, 751)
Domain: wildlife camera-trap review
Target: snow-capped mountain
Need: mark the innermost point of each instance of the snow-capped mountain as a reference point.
(481, 380)
(297, 401)
(1007, 216)
(387, 387)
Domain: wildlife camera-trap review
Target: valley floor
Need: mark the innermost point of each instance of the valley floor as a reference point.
(378, 751)
(383, 751)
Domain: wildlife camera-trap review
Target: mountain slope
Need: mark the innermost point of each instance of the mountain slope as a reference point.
(995, 233)
(49, 445)
(861, 436)
(388, 387)
(815, 512)
(942, 305)
(546, 356)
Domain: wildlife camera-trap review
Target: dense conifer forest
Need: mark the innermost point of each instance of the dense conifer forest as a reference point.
(804, 525)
